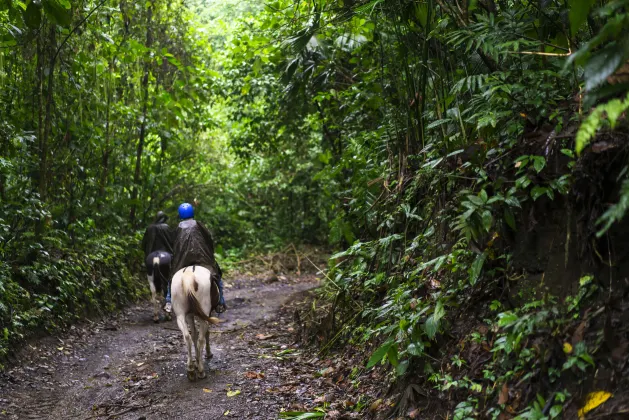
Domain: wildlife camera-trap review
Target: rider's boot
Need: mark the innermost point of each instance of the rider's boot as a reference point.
(220, 308)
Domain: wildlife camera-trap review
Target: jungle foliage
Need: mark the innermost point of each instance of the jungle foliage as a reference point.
(436, 128)
(413, 136)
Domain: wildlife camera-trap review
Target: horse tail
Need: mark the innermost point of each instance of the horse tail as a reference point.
(190, 286)
(156, 271)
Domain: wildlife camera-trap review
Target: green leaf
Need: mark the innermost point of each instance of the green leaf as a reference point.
(431, 327)
(539, 163)
(579, 10)
(392, 355)
(555, 411)
(58, 13)
(402, 368)
(488, 220)
(506, 318)
(538, 191)
(432, 323)
(475, 200)
(32, 15)
(604, 63)
(379, 354)
(594, 121)
(415, 349)
(510, 218)
(476, 268)
(568, 152)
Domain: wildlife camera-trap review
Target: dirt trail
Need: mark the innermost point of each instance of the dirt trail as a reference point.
(127, 367)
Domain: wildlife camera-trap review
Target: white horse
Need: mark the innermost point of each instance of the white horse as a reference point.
(194, 295)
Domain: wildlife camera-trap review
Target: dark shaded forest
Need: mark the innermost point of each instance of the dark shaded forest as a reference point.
(465, 161)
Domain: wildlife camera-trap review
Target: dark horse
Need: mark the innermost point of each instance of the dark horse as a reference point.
(158, 269)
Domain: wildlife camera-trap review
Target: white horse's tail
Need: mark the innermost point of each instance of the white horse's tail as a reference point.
(190, 286)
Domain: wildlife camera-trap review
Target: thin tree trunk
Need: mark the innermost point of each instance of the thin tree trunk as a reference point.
(424, 81)
(107, 150)
(43, 157)
(158, 172)
(140, 148)
(40, 105)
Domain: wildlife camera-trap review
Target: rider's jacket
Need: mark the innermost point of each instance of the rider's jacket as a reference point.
(157, 237)
(194, 246)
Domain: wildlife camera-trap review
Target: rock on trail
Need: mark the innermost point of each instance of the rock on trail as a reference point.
(127, 367)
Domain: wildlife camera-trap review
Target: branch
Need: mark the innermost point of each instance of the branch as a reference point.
(54, 58)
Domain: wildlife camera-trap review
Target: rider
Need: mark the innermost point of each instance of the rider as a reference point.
(158, 241)
(194, 246)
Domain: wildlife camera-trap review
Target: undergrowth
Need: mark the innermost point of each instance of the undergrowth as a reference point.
(62, 285)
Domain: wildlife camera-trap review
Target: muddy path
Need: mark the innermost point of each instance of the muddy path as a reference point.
(127, 367)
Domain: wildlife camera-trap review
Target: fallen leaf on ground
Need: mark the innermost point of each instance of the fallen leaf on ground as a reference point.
(226, 413)
(593, 400)
(375, 405)
(323, 398)
(264, 336)
(233, 393)
(414, 414)
(567, 348)
(504, 395)
(254, 375)
(207, 390)
(326, 372)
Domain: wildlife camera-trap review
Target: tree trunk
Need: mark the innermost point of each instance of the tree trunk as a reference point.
(107, 149)
(43, 150)
(140, 148)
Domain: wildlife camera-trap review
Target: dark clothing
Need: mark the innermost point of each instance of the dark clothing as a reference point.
(158, 237)
(194, 246)
(158, 242)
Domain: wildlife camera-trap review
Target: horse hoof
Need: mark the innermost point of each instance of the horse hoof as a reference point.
(209, 356)
(201, 374)
(156, 320)
(192, 375)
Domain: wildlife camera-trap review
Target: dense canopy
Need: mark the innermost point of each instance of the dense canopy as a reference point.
(466, 159)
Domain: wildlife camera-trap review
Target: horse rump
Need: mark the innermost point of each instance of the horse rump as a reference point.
(158, 268)
(190, 287)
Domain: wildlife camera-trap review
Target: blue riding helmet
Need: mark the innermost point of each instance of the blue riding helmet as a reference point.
(186, 211)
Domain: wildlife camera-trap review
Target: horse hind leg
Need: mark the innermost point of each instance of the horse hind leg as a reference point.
(208, 352)
(193, 363)
(202, 343)
(183, 326)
